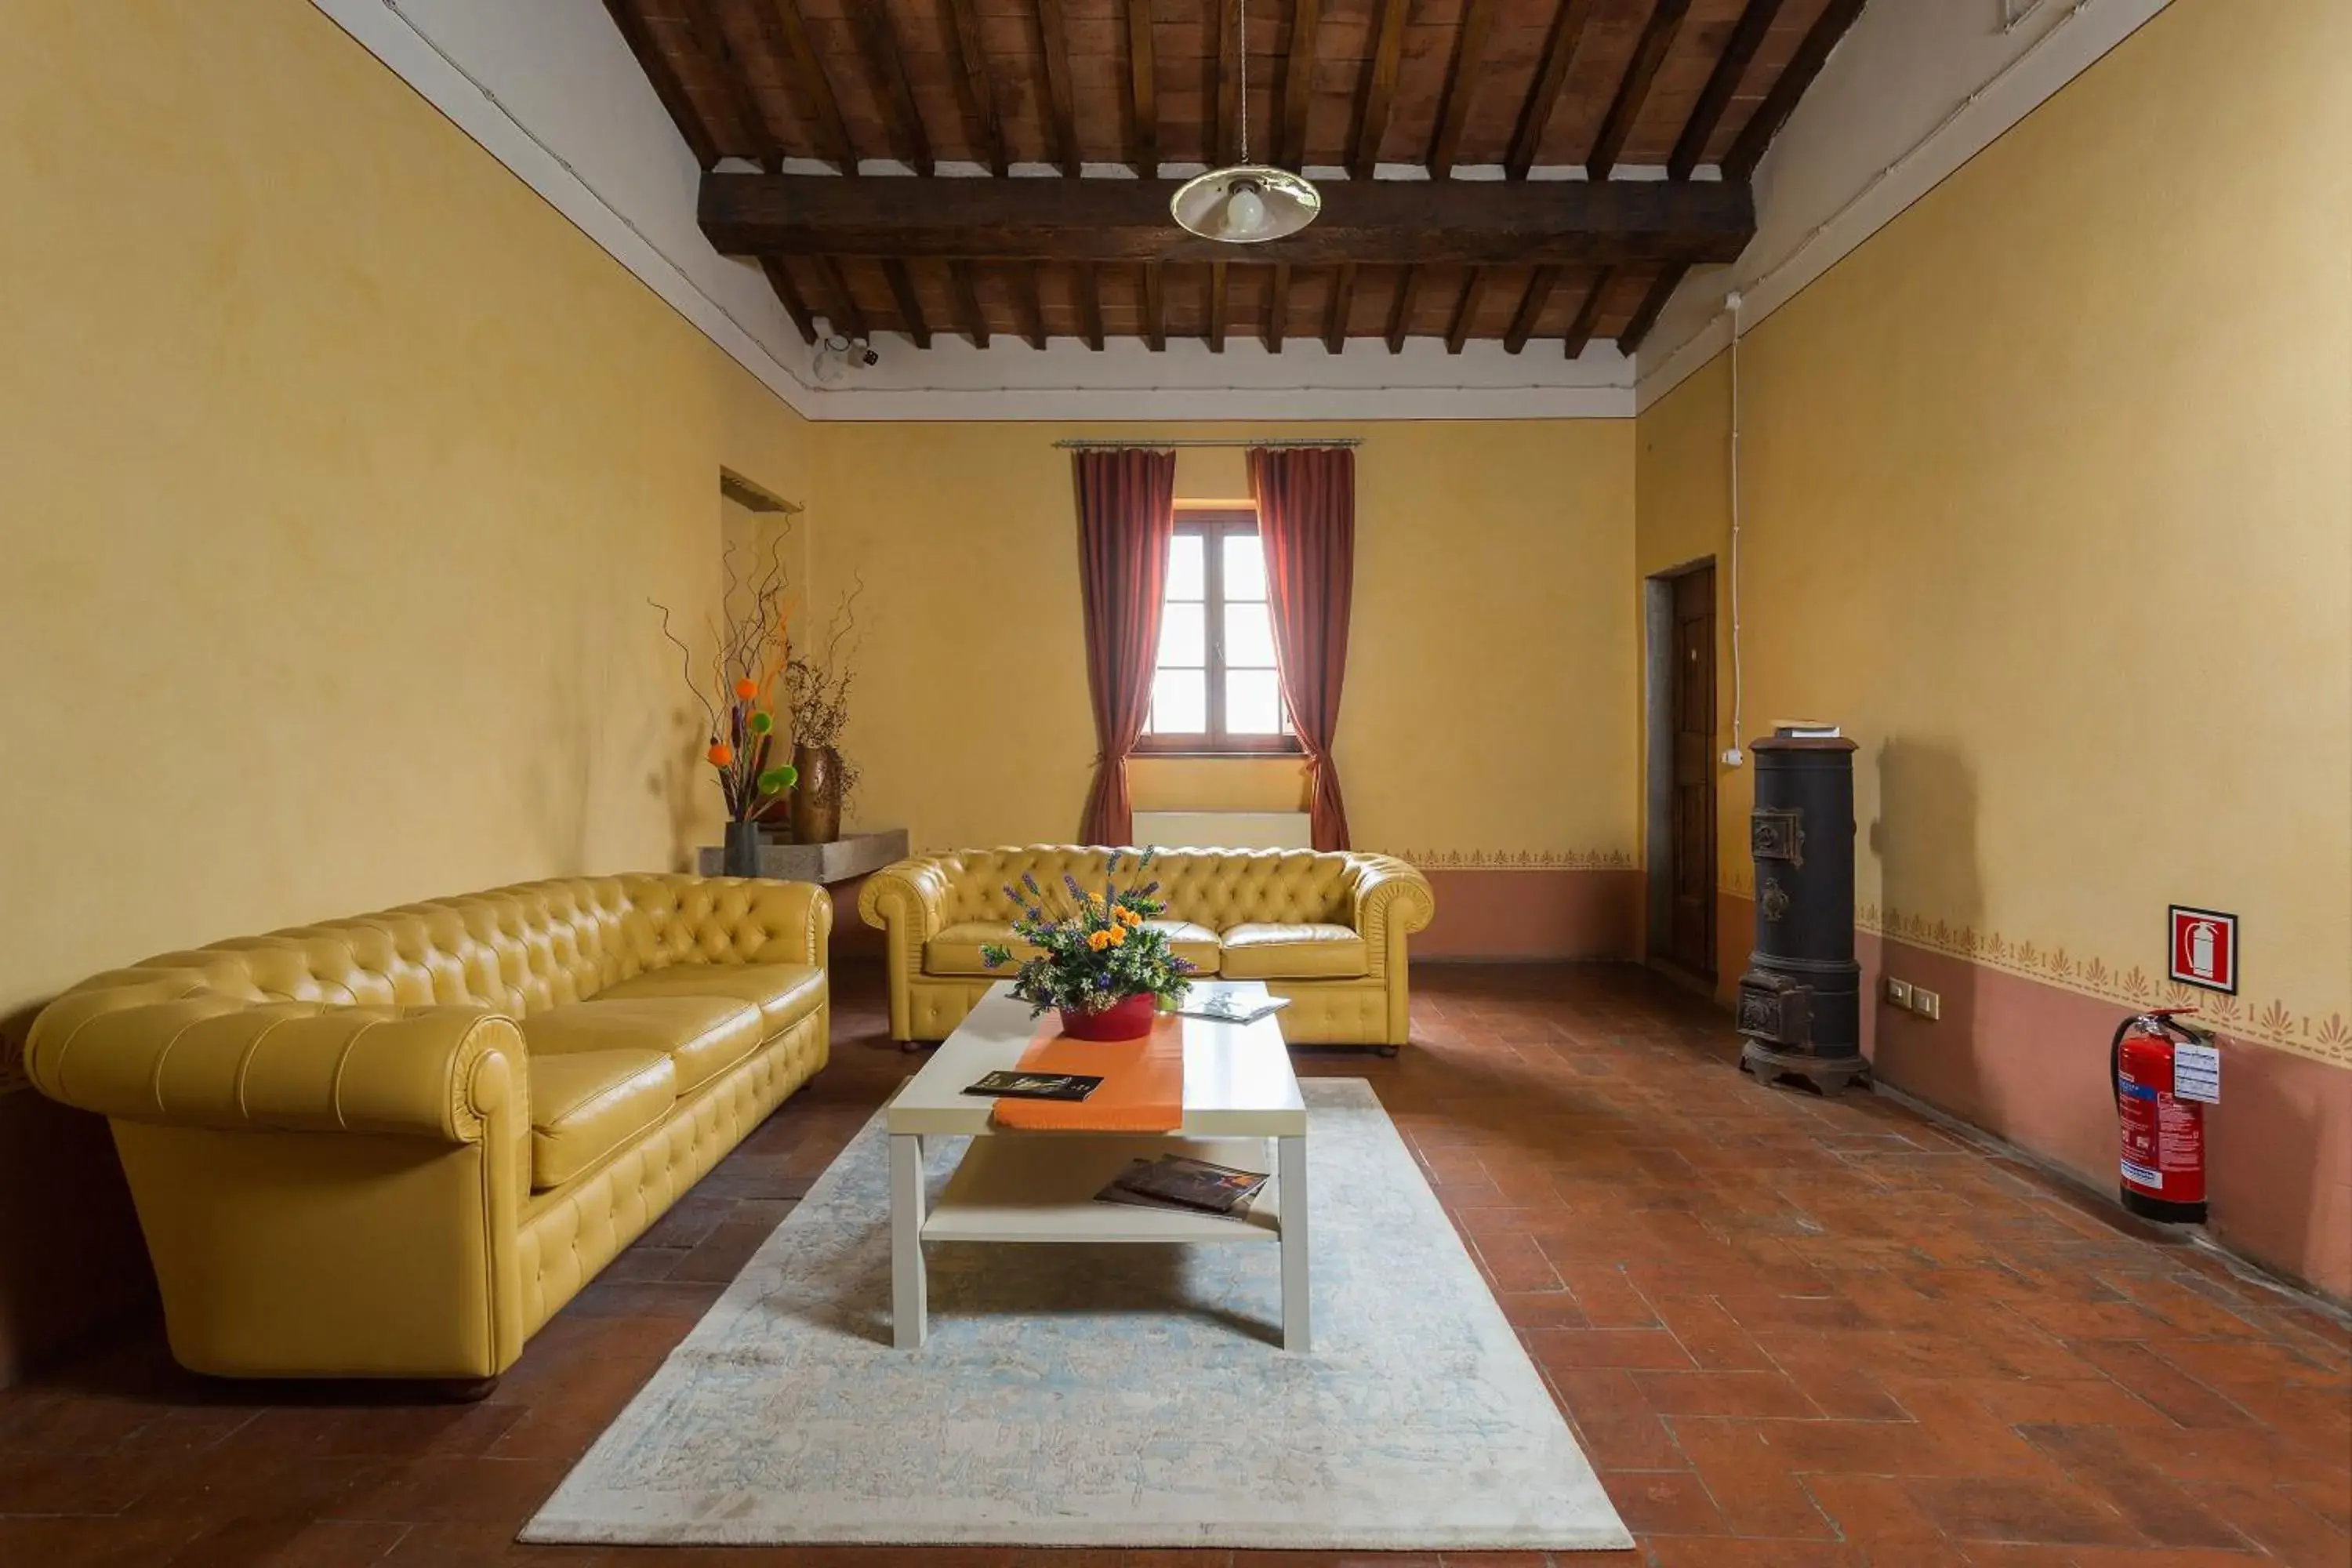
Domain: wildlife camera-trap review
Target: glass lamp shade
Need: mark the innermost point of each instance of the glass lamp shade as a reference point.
(1247, 205)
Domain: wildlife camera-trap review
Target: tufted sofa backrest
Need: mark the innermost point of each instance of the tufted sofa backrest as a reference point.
(1218, 889)
(519, 949)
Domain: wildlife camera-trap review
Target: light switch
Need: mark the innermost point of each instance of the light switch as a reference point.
(1899, 992)
(1926, 1002)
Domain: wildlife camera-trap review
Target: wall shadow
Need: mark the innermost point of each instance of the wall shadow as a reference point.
(1931, 904)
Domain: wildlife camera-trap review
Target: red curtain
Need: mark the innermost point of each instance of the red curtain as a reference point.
(1127, 516)
(1306, 516)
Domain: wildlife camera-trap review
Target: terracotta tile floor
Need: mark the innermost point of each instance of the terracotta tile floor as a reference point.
(1789, 1332)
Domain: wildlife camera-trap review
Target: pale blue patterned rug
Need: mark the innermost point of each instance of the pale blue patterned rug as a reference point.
(1102, 1397)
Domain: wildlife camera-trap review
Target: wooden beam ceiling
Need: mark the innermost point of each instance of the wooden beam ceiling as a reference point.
(1375, 222)
(1511, 86)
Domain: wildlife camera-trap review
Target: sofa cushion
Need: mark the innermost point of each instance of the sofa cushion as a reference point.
(956, 948)
(585, 1104)
(785, 992)
(1295, 952)
(703, 1035)
(1197, 945)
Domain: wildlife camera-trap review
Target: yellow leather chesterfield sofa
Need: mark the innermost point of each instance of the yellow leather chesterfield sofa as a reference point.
(393, 1145)
(1327, 931)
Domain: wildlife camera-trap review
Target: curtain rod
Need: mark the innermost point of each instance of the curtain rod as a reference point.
(1087, 445)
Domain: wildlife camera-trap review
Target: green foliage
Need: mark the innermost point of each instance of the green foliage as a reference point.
(1094, 947)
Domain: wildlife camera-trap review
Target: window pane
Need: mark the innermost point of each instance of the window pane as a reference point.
(1244, 567)
(1179, 702)
(1186, 578)
(1249, 637)
(1184, 634)
(1253, 703)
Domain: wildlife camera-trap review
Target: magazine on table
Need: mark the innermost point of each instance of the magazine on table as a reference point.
(1037, 1085)
(1174, 1182)
(1228, 1004)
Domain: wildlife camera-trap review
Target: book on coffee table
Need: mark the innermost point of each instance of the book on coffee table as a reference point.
(1037, 1085)
(1173, 1181)
(1226, 1005)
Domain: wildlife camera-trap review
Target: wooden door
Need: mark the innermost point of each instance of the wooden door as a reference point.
(1692, 816)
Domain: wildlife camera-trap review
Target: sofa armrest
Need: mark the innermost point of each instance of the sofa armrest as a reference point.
(211, 1060)
(909, 895)
(793, 922)
(1392, 900)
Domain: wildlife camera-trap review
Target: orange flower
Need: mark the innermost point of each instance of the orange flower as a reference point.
(720, 754)
(1128, 917)
(1099, 940)
(1115, 935)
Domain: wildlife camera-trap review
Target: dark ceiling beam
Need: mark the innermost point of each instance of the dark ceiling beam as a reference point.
(967, 301)
(710, 40)
(1297, 84)
(1277, 307)
(1739, 52)
(812, 89)
(788, 293)
(1646, 315)
(1780, 101)
(1343, 303)
(1568, 25)
(1377, 222)
(975, 89)
(1142, 90)
(1379, 89)
(1090, 318)
(1633, 88)
(1053, 40)
(892, 91)
(1461, 85)
(841, 313)
(1531, 304)
(1028, 305)
(1155, 309)
(662, 74)
(1465, 310)
(1588, 315)
(1218, 304)
(910, 307)
(1408, 293)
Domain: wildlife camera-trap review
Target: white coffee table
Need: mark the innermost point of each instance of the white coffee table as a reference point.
(1239, 1093)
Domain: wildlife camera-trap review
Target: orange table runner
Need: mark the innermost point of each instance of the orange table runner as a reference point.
(1142, 1088)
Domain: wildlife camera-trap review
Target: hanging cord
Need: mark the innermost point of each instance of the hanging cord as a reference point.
(1733, 756)
(1242, 44)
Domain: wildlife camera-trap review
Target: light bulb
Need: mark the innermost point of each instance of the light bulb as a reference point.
(1245, 211)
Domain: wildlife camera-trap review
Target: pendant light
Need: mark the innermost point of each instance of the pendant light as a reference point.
(1246, 202)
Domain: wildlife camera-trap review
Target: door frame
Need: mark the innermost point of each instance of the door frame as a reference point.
(1658, 776)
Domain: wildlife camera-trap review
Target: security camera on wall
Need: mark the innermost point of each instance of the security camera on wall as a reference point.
(837, 356)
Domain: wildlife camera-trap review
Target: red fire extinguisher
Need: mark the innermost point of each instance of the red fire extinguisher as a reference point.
(2163, 1135)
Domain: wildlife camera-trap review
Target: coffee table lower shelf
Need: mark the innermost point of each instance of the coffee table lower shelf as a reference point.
(1041, 1187)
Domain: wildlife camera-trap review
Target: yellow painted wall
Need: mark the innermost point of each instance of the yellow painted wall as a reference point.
(338, 468)
(1491, 646)
(2048, 501)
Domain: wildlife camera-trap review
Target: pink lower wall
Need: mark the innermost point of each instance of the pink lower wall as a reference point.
(2028, 1062)
(1533, 914)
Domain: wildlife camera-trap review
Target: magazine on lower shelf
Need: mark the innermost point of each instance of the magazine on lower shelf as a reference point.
(1174, 1182)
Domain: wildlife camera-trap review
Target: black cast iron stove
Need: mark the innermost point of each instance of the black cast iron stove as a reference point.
(1800, 1005)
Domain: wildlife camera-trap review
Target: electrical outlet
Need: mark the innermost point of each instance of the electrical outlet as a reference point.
(1927, 1003)
(1899, 992)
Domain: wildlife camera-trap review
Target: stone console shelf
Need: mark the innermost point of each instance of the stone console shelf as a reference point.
(841, 860)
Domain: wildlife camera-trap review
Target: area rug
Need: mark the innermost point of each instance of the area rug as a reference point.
(1113, 1396)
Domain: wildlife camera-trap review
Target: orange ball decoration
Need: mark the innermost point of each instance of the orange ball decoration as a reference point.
(720, 754)
(747, 689)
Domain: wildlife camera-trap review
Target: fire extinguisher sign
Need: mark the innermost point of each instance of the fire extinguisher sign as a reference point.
(2205, 948)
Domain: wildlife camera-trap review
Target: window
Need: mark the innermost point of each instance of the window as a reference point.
(1214, 686)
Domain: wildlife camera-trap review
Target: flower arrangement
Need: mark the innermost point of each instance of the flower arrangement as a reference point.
(739, 701)
(1099, 960)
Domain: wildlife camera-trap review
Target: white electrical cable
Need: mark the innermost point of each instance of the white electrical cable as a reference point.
(1733, 756)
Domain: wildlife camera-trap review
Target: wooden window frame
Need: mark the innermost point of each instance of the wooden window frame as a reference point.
(1212, 528)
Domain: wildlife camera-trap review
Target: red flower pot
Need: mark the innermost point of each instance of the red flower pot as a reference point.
(1129, 1018)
